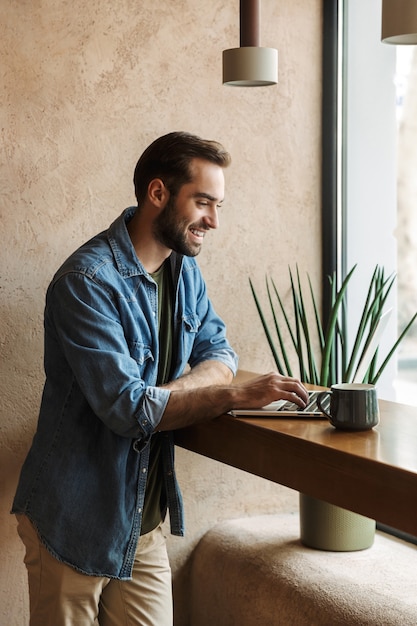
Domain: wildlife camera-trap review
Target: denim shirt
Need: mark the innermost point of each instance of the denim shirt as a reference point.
(83, 481)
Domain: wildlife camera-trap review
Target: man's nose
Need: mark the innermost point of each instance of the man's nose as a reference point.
(211, 220)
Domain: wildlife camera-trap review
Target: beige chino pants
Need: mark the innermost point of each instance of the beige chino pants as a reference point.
(61, 596)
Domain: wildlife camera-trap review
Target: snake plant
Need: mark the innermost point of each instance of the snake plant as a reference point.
(324, 354)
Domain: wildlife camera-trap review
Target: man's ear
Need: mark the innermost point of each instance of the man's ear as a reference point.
(157, 192)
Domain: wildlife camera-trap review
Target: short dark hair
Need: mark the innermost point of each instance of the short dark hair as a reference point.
(169, 158)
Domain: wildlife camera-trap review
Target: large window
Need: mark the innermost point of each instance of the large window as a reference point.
(368, 173)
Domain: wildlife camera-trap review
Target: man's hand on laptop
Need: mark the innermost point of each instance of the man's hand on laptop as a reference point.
(268, 388)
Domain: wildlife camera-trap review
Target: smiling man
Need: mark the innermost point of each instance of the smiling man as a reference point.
(133, 350)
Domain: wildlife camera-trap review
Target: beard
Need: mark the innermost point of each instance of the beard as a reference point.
(171, 231)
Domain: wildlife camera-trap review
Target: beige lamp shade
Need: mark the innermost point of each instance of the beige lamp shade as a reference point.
(250, 66)
(399, 22)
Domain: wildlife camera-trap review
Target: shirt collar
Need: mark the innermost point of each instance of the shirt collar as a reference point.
(124, 253)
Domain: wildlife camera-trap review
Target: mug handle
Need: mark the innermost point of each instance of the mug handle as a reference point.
(319, 399)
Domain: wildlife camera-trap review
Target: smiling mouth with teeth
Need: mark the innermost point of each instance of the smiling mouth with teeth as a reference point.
(198, 233)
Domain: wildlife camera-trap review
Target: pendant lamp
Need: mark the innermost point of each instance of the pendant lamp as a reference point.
(250, 65)
(399, 22)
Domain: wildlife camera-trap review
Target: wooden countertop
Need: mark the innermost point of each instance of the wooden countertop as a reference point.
(373, 473)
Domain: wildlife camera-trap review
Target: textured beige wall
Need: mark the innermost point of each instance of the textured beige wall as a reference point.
(85, 87)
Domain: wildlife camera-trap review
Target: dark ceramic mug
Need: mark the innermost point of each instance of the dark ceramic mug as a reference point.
(353, 406)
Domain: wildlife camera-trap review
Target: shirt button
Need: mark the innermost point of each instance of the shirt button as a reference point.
(139, 510)
(144, 470)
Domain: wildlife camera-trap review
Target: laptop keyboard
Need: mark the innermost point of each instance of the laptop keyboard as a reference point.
(311, 406)
(283, 408)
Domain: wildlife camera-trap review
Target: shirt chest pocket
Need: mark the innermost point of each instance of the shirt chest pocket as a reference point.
(189, 329)
(141, 353)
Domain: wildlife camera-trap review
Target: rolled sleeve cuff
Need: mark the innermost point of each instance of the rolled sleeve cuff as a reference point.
(230, 359)
(152, 409)
(226, 356)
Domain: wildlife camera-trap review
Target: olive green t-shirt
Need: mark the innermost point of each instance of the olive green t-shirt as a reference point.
(155, 493)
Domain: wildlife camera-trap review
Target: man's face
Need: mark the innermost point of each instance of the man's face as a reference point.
(185, 220)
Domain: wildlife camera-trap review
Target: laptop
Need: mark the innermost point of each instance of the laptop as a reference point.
(284, 408)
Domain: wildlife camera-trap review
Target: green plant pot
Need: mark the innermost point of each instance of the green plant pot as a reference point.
(328, 527)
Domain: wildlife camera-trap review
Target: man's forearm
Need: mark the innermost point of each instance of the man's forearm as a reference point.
(202, 393)
(205, 374)
(207, 392)
(186, 407)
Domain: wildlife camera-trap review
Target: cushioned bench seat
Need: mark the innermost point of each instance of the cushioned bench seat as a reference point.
(255, 571)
